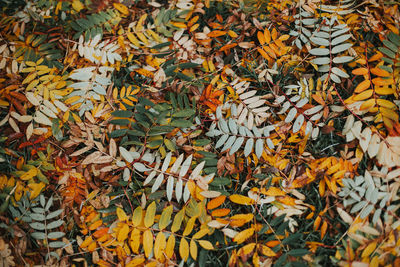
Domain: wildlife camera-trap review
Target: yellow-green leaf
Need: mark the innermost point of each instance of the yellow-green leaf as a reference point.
(150, 214)
(189, 226)
(137, 216)
(176, 225)
(165, 217)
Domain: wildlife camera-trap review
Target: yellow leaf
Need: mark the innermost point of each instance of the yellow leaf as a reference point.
(384, 90)
(243, 235)
(169, 250)
(133, 39)
(368, 250)
(206, 244)
(165, 217)
(201, 233)
(386, 103)
(374, 262)
(176, 225)
(159, 246)
(77, 5)
(189, 226)
(147, 242)
(137, 216)
(274, 191)
(389, 113)
(184, 249)
(29, 174)
(29, 78)
(87, 241)
(121, 8)
(33, 84)
(150, 214)
(140, 23)
(239, 199)
(245, 217)
(248, 248)
(362, 86)
(267, 251)
(364, 95)
(368, 104)
(36, 188)
(135, 240)
(193, 249)
(123, 233)
(121, 215)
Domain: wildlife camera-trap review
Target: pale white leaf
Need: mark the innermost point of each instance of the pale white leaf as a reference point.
(170, 187)
(125, 154)
(157, 182)
(185, 166)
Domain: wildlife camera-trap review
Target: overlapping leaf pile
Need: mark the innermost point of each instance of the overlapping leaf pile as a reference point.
(239, 133)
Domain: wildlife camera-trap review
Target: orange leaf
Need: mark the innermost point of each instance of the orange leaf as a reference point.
(324, 227)
(274, 34)
(360, 71)
(216, 202)
(264, 54)
(95, 225)
(220, 212)
(261, 38)
(380, 72)
(362, 86)
(267, 36)
(227, 47)
(216, 33)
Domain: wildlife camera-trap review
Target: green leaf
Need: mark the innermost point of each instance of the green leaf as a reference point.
(55, 235)
(37, 216)
(319, 51)
(321, 60)
(37, 226)
(55, 224)
(180, 123)
(56, 244)
(298, 252)
(38, 235)
(188, 65)
(122, 113)
(341, 48)
(54, 214)
(184, 113)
